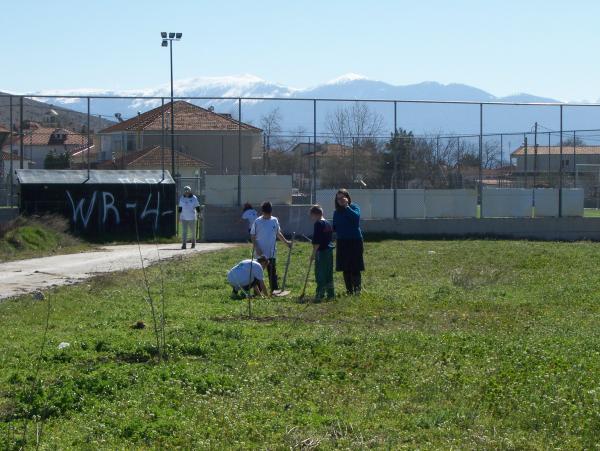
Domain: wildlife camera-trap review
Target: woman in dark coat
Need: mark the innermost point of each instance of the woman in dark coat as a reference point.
(349, 255)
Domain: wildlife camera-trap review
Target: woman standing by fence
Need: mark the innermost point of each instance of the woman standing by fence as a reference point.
(349, 256)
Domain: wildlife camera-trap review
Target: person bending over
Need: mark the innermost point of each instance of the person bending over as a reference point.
(264, 233)
(248, 275)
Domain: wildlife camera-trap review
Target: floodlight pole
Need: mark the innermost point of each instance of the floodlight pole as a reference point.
(172, 113)
(167, 40)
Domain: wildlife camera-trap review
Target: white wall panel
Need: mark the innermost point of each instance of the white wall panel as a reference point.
(572, 202)
(507, 202)
(450, 203)
(222, 189)
(546, 202)
(410, 203)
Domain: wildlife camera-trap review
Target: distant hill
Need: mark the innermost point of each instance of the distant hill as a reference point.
(37, 111)
(296, 114)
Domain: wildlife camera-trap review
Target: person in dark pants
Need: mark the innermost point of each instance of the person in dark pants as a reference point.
(349, 255)
(322, 254)
(264, 233)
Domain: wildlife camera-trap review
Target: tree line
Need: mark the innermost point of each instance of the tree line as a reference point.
(356, 152)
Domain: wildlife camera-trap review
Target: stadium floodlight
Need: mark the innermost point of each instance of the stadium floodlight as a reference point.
(165, 43)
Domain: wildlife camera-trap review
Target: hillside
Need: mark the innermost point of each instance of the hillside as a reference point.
(35, 110)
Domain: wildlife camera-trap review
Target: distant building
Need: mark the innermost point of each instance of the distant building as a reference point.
(548, 158)
(39, 141)
(200, 133)
(152, 159)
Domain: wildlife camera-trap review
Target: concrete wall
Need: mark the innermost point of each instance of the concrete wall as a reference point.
(569, 229)
(546, 202)
(507, 202)
(572, 202)
(450, 203)
(410, 203)
(222, 189)
(223, 224)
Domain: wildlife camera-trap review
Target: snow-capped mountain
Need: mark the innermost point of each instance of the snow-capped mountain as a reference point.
(296, 114)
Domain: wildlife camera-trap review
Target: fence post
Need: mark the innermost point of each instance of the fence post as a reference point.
(21, 143)
(480, 160)
(88, 137)
(575, 157)
(239, 178)
(526, 164)
(314, 193)
(394, 136)
(162, 136)
(560, 171)
(12, 188)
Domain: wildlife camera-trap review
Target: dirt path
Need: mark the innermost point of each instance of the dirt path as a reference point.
(25, 276)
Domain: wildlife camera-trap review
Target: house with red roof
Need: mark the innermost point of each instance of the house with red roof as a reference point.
(148, 159)
(39, 140)
(209, 139)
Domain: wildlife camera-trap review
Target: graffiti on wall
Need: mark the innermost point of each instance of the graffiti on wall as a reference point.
(83, 208)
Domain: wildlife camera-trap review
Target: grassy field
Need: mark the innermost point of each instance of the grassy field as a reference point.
(454, 344)
(28, 238)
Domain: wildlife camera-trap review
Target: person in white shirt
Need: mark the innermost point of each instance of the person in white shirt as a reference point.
(249, 214)
(188, 212)
(264, 233)
(247, 275)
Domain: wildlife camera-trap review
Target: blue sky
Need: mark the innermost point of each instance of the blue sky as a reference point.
(546, 48)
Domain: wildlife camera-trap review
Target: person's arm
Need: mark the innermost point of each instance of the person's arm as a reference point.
(314, 251)
(257, 250)
(260, 289)
(282, 238)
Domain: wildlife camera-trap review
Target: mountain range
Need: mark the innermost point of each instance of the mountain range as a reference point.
(297, 114)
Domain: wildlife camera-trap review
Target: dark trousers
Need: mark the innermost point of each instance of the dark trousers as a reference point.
(272, 271)
(353, 281)
(324, 274)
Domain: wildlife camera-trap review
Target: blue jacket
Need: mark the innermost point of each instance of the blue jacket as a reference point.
(346, 223)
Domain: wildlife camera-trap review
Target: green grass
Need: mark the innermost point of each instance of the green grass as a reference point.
(28, 238)
(591, 213)
(454, 344)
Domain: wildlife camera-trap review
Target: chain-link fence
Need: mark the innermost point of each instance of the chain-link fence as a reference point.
(320, 143)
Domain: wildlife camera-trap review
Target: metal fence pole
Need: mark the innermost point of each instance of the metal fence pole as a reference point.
(574, 158)
(21, 143)
(239, 181)
(480, 187)
(10, 136)
(394, 137)
(314, 162)
(535, 154)
(526, 167)
(560, 171)
(88, 137)
(162, 136)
